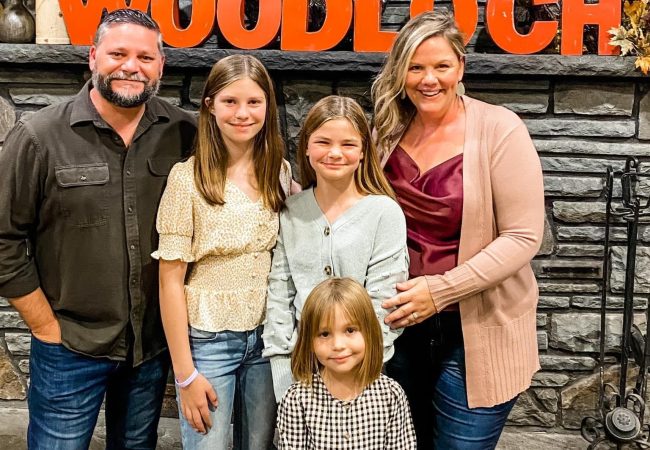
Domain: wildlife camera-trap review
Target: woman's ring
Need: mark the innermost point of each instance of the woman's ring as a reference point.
(414, 315)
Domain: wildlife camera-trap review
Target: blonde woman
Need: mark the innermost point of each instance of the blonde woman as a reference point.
(468, 179)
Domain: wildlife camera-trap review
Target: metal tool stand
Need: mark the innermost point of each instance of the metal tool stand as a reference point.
(620, 410)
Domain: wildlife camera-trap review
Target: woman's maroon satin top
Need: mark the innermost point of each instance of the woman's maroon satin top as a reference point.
(433, 205)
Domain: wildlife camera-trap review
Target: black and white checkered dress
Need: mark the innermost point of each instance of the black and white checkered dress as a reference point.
(379, 418)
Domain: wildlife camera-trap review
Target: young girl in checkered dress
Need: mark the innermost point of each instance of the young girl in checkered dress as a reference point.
(341, 400)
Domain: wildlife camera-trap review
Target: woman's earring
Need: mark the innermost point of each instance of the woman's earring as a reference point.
(402, 94)
(460, 88)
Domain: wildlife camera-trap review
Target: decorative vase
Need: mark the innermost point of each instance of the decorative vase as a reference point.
(50, 27)
(31, 6)
(16, 23)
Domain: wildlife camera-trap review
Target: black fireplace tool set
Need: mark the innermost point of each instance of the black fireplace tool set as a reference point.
(621, 409)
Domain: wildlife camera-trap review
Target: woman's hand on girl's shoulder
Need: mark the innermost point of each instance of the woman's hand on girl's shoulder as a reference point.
(413, 303)
(196, 401)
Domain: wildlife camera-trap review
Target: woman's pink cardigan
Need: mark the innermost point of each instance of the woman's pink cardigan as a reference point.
(501, 231)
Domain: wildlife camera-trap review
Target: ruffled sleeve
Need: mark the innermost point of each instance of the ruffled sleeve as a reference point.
(285, 177)
(175, 221)
(289, 186)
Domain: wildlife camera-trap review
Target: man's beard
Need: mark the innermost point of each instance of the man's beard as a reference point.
(103, 85)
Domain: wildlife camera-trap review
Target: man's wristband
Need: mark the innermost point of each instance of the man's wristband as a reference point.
(188, 381)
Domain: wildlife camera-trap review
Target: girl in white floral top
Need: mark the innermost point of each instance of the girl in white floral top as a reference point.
(219, 212)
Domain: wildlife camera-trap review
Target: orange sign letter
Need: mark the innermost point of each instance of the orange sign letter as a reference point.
(165, 12)
(368, 36)
(500, 22)
(230, 22)
(466, 14)
(82, 20)
(576, 14)
(295, 17)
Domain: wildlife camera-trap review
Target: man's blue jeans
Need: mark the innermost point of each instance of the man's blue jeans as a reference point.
(429, 364)
(66, 393)
(232, 362)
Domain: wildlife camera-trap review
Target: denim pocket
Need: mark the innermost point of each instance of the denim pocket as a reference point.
(202, 335)
(49, 344)
(453, 361)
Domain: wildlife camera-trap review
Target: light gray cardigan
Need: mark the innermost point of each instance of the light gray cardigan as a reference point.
(366, 243)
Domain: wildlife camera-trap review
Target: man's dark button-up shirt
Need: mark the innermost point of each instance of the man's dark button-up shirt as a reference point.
(79, 220)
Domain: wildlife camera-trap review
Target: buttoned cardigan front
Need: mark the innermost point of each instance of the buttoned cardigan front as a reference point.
(366, 243)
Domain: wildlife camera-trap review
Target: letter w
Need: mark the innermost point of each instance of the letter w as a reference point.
(82, 20)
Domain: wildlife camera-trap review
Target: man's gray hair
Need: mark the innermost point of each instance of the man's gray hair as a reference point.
(126, 15)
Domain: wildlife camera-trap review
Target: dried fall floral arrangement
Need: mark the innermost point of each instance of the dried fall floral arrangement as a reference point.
(633, 36)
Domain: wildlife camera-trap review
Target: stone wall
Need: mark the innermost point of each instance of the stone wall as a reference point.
(584, 114)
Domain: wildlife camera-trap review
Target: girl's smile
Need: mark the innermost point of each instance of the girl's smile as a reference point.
(340, 359)
(335, 150)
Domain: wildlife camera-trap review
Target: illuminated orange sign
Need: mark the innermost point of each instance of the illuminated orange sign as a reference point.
(289, 19)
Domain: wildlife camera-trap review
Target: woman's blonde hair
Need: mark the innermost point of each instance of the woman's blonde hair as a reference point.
(355, 302)
(211, 154)
(369, 177)
(393, 110)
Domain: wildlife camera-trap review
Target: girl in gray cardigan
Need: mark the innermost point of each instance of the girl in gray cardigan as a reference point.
(345, 224)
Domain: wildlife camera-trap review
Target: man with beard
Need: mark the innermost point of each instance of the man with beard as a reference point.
(80, 183)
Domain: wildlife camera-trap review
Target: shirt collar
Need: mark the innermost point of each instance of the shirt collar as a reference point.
(83, 109)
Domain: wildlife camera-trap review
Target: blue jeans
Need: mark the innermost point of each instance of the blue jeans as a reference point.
(67, 389)
(429, 364)
(232, 361)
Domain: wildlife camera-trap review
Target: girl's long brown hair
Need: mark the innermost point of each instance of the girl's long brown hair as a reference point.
(369, 177)
(318, 308)
(211, 154)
